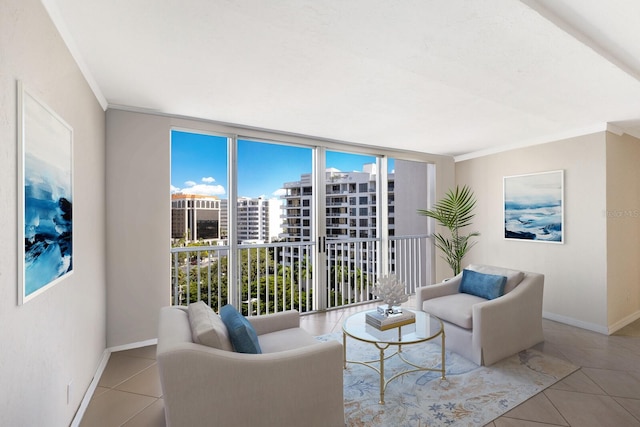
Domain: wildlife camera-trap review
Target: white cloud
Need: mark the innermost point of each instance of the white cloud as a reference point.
(279, 192)
(204, 189)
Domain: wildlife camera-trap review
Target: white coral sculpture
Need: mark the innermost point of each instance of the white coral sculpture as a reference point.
(390, 290)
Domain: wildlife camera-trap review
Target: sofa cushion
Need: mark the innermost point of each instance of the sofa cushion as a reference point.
(483, 285)
(285, 339)
(207, 327)
(514, 277)
(241, 332)
(456, 308)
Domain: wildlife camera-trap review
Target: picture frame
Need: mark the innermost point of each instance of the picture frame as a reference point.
(45, 197)
(534, 207)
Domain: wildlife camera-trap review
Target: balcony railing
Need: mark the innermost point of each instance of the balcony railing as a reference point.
(275, 277)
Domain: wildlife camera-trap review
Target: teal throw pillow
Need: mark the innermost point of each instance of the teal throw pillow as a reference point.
(241, 333)
(488, 286)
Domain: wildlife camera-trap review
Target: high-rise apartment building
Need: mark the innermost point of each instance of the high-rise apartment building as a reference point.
(195, 217)
(350, 213)
(296, 215)
(258, 219)
(351, 205)
(352, 225)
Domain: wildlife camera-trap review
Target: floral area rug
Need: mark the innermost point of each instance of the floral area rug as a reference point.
(471, 395)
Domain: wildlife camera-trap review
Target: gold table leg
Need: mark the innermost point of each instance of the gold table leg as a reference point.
(382, 385)
(443, 362)
(344, 349)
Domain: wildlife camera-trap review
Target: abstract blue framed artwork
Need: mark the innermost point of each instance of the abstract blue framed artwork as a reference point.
(45, 193)
(534, 207)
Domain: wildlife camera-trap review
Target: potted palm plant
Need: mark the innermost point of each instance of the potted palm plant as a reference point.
(454, 212)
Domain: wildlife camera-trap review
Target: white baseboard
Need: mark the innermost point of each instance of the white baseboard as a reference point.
(624, 322)
(592, 326)
(131, 346)
(99, 371)
(92, 388)
(577, 323)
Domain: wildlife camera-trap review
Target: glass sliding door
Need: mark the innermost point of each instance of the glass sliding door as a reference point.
(351, 227)
(274, 227)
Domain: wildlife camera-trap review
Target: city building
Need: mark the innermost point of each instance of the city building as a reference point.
(351, 205)
(198, 217)
(351, 214)
(258, 219)
(195, 217)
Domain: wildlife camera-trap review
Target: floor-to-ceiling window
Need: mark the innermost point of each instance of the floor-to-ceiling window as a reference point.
(269, 226)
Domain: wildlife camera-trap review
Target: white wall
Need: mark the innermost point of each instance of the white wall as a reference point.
(411, 193)
(59, 336)
(575, 272)
(623, 230)
(138, 225)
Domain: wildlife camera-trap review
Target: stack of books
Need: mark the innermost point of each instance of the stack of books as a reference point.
(382, 322)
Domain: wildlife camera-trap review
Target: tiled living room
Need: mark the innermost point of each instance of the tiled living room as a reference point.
(478, 91)
(604, 392)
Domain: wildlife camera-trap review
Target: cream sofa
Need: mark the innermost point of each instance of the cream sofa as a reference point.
(296, 381)
(486, 331)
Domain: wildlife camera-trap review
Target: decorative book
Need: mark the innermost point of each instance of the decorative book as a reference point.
(382, 322)
(386, 309)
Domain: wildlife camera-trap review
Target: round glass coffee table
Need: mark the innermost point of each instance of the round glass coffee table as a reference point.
(426, 327)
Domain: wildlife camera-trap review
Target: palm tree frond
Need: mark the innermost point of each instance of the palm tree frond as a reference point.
(453, 211)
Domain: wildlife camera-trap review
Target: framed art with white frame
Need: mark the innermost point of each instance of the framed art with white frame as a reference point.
(45, 197)
(534, 207)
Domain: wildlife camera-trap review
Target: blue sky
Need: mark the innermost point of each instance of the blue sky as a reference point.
(199, 165)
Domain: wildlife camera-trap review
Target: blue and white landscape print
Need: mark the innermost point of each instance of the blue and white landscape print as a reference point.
(533, 207)
(48, 250)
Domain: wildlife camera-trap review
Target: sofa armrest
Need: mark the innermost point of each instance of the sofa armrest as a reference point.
(205, 386)
(513, 322)
(449, 287)
(275, 322)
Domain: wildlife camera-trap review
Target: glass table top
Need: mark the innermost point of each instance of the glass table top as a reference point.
(426, 327)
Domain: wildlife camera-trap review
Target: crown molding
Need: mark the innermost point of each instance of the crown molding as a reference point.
(601, 127)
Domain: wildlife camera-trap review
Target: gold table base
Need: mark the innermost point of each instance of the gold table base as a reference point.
(382, 346)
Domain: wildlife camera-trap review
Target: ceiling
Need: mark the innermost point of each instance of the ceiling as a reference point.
(454, 77)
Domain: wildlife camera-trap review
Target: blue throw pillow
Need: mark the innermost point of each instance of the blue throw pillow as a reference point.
(241, 333)
(489, 286)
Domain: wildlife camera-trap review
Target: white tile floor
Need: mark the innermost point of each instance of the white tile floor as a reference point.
(604, 392)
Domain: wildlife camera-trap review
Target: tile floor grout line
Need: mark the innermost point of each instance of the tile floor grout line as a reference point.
(128, 378)
(636, 417)
(567, 423)
(138, 413)
(591, 394)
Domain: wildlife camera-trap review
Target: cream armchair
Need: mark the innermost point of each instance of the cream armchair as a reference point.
(296, 381)
(486, 331)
